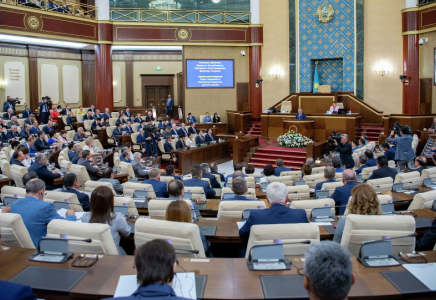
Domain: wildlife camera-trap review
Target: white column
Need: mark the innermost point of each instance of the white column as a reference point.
(254, 9)
(411, 3)
(103, 10)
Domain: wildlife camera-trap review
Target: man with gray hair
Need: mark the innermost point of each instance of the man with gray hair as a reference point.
(300, 115)
(196, 181)
(343, 193)
(240, 189)
(280, 167)
(362, 163)
(278, 213)
(13, 122)
(329, 175)
(80, 135)
(36, 213)
(310, 161)
(346, 150)
(140, 170)
(328, 271)
(40, 168)
(214, 171)
(212, 179)
(159, 187)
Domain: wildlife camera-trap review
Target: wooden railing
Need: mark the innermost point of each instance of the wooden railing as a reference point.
(238, 121)
(241, 146)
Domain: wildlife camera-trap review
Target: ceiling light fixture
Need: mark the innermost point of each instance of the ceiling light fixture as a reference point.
(37, 41)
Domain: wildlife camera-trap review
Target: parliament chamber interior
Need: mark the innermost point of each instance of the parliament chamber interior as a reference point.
(218, 149)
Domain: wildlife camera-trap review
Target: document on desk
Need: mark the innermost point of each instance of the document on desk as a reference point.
(183, 285)
(240, 224)
(426, 273)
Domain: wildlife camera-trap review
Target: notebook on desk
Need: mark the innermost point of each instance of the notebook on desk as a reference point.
(283, 287)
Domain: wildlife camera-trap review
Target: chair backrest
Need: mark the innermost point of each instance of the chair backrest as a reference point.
(131, 187)
(201, 119)
(286, 180)
(91, 185)
(17, 173)
(338, 176)
(81, 173)
(381, 184)
(121, 201)
(318, 170)
(251, 193)
(312, 180)
(422, 200)
(166, 178)
(182, 235)
(127, 168)
(13, 232)
(296, 175)
(98, 144)
(102, 241)
(110, 130)
(117, 159)
(383, 199)
(134, 137)
(287, 106)
(197, 192)
(308, 205)
(115, 115)
(87, 124)
(366, 172)
(361, 228)
(6, 168)
(160, 145)
(112, 121)
(64, 197)
(135, 127)
(157, 208)
(234, 209)
(428, 173)
(12, 191)
(298, 191)
(70, 134)
(288, 233)
(409, 179)
(391, 164)
(331, 186)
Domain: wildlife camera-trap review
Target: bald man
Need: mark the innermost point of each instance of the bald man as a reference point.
(342, 193)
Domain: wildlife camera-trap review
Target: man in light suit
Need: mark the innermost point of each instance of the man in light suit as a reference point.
(193, 129)
(383, 170)
(174, 131)
(403, 150)
(84, 161)
(13, 134)
(36, 213)
(240, 189)
(159, 187)
(300, 115)
(278, 213)
(212, 179)
(196, 181)
(40, 168)
(200, 139)
(108, 176)
(329, 176)
(140, 170)
(343, 193)
(169, 106)
(191, 118)
(209, 136)
(72, 185)
(26, 112)
(280, 167)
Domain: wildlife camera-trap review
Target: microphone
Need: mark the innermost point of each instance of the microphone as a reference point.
(404, 236)
(189, 251)
(78, 240)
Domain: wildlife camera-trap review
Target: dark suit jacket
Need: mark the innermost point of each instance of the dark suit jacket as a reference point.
(46, 105)
(168, 147)
(44, 174)
(6, 106)
(276, 214)
(191, 119)
(41, 144)
(372, 162)
(319, 184)
(8, 116)
(341, 195)
(47, 130)
(180, 144)
(159, 187)
(278, 170)
(300, 117)
(64, 111)
(128, 129)
(15, 291)
(26, 114)
(11, 135)
(117, 132)
(17, 162)
(95, 125)
(95, 116)
(84, 162)
(192, 130)
(3, 137)
(147, 118)
(346, 151)
(390, 153)
(155, 291)
(221, 175)
(169, 104)
(137, 120)
(86, 117)
(83, 198)
(210, 192)
(107, 115)
(34, 130)
(71, 154)
(359, 170)
(183, 131)
(199, 140)
(213, 182)
(24, 134)
(383, 172)
(209, 138)
(428, 241)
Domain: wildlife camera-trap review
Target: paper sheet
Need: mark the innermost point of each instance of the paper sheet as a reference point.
(426, 273)
(240, 224)
(62, 212)
(322, 223)
(183, 285)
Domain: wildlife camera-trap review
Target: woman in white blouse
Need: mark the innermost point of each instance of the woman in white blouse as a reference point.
(27, 160)
(62, 139)
(89, 145)
(190, 140)
(334, 107)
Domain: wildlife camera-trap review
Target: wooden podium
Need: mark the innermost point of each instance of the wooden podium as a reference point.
(305, 127)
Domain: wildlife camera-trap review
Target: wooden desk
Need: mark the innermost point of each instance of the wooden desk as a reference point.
(53, 158)
(102, 136)
(125, 138)
(122, 177)
(211, 210)
(220, 127)
(305, 127)
(60, 123)
(196, 156)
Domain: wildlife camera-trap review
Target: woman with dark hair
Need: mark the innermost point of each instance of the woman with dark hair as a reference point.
(102, 211)
(249, 169)
(105, 122)
(62, 139)
(268, 170)
(155, 263)
(307, 169)
(216, 118)
(179, 211)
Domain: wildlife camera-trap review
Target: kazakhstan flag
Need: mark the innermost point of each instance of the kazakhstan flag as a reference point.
(315, 80)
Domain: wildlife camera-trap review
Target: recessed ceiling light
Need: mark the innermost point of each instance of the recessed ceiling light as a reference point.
(37, 41)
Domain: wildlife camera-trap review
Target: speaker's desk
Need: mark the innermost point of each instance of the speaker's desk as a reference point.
(274, 124)
(227, 278)
(305, 127)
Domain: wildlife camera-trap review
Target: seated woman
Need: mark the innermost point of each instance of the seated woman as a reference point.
(216, 118)
(105, 122)
(334, 107)
(363, 201)
(62, 139)
(55, 113)
(179, 211)
(89, 145)
(249, 169)
(268, 171)
(306, 170)
(52, 139)
(355, 145)
(190, 141)
(102, 211)
(81, 110)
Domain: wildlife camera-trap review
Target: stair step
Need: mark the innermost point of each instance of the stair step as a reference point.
(277, 156)
(281, 152)
(260, 165)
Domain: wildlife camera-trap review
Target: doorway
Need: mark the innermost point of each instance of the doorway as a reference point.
(155, 97)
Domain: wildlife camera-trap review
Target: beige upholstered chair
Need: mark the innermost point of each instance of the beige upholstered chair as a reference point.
(91, 185)
(81, 173)
(331, 186)
(201, 119)
(112, 121)
(166, 156)
(286, 180)
(12, 191)
(312, 180)
(409, 179)
(298, 191)
(197, 192)
(109, 131)
(166, 178)
(117, 159)
(6, 168)
(13, 232)
(361, 228)
(287, 106)
(381, 184)
(157, 208)
(383, 199)
(62, 197)
(87, 125)
(367, 172)
(251, 193)
(131, 187)
(102, 241)
(206, 179)
(422, 200)
(120, 201)
(127, 168)
(308, 205)
(70, 134)
(135, 127)
(115, 115)
(234, 209)
(17, 173)
(288, 233)
(182, 235)
(296, 175)
(318, 170)
(98, 144)
(338, 176)
(428, 173)
(391, 164)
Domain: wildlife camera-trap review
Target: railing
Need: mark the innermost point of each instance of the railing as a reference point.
(425, 2)
(67, 7)
(179, 16)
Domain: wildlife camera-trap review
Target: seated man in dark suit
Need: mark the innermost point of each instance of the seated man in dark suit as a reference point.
(371, 161)
(193, 129)
(138, 118)
(159, 187)
(200, 139)
(72, 148)
(3, 137)
(168, 146)
(389, 152)
(30, 144)
(77, 157)
(337, 164)
(80, 135)
(97, 115)
(183, 130)
(13, 134)
(128, 128)
(362, 163)
(180, 144)
(280, 167)
(118, 131)
(214, 170)
(40, 142)
(209, 136)
(88, 116)
(96, 124)
(49, 127)
(420, 164)
(18, 158)
(213, 182)
(26, 112)
(236, 167)
(9, 114)
(383, 170)
(342, 193)
(25, 132)
(196, 181)
(329, 175)
(191, 118)
(34, 129)
(72, 185)
(240, 189)
(176, 191)
(278, 213)
(428, 241)
(300, 115)
(149, 116)
(171, 171)
(84, 161)
(40, 168)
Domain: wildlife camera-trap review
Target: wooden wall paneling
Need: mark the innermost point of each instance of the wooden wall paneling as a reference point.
(165, 80)
(264, 121)
(129, 79)
(103, 77)
(242, 101)
(315, 104)
(416, 122)
(425, 95)
(255, 68)
(33, 83)
(88, 78)
(181, 94)
(411, 68)
(369, 115)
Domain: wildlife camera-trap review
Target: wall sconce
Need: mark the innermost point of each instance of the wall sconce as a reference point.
(275, 72)
(114, 83)
(382, 73)
(2, 85)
